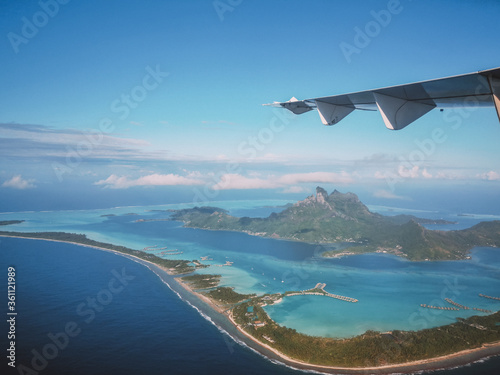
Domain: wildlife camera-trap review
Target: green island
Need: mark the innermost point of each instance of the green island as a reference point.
(343, 218)
(10, 222)
(371, 349)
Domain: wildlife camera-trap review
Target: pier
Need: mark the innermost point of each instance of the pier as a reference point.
(170, 252)
(457, 304)
(490, 297)
(318, 290)
(439, 307)
(482, 310)
(320, 286)
(228, 263)
(154, 248)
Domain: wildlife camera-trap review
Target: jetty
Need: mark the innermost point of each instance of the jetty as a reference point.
(174, 251)
(154, 248)
(228, 263)
(482, 310)
(318, 290)
(490, 297)
(457, 304)
(439, 307)
(320, 286)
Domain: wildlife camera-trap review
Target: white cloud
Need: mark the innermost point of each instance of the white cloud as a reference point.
(123, 182)
(408, 173)
(17, 182)
(426, 174)
(237, 181)
(381, 175)
(388, 195)
(450, 175)
(317, 177)
(490, 176)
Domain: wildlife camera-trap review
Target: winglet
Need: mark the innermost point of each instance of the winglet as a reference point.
(294, 105)
(398, 113)
(331, 114)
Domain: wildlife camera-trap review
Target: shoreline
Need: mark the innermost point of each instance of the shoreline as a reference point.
(441, 362)
(466, 256)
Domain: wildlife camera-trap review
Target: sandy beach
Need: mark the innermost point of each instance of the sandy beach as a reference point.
(447, 361)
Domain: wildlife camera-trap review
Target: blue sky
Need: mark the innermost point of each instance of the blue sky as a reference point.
(143, 98)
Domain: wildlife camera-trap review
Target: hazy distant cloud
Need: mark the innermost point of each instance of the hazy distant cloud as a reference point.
(490, 176)
(237, 181)
(451, 175)
(404, 172)
(38, 141)
(123, 182)
(426, 174)
(388, 195)
(44, 143)
(448, 174)
(254, 180)
(17, 182)
(316, 177)
(409, 172)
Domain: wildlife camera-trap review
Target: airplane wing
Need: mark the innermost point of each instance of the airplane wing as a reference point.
(401, 105)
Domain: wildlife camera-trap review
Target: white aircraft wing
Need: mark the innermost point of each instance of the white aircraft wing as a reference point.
(403, 104)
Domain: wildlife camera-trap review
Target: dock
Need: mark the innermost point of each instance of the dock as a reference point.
(457, 304)
(490, 297)
(320, 286)
(228, 263)
(482, 310)
(439, 307)
(314, 292)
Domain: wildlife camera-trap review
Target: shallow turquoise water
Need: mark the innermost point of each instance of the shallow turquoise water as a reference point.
(389, 289)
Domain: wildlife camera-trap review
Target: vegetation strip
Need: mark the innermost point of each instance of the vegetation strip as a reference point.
(174, 266)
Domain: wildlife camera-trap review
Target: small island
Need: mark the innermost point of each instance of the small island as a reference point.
(11, 222)
(343, 218)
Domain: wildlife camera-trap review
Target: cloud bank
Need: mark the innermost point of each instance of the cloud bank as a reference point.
(123, 182)
(17, 182)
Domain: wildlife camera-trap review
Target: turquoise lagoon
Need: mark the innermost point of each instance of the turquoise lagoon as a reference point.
(390, 290)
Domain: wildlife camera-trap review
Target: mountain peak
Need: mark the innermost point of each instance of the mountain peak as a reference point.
(321, 195)
(347, 196)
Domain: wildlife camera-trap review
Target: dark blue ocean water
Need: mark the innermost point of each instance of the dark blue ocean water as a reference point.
(125, 319)
(142, 329)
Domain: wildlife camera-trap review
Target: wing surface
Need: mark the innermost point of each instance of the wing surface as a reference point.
(401, 105)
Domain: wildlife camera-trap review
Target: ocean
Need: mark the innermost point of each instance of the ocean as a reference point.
(145, 326)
